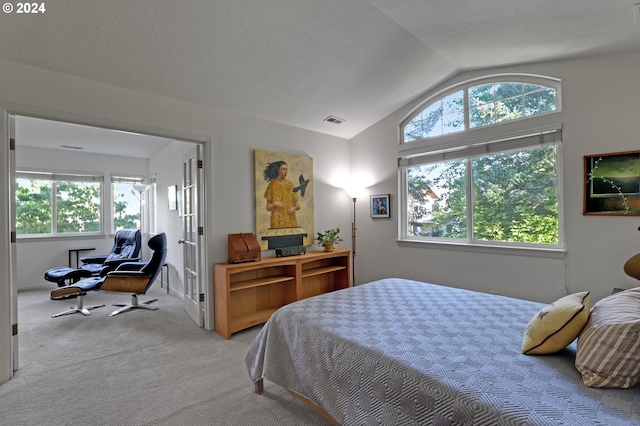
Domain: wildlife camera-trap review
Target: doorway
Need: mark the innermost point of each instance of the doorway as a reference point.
(115, 131)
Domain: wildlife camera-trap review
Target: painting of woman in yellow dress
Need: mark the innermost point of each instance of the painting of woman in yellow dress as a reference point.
(282, 201)
(284, 207)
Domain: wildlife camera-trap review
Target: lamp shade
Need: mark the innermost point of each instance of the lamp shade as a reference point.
(140, 187)
(632, 267)
(353, 190)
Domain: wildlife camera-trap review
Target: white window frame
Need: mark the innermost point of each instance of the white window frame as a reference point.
(149, 208)
(63, 176)
(464, 86)
(497, 137)
(133, 180)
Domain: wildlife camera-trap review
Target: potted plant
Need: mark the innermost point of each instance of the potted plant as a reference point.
(328, 238)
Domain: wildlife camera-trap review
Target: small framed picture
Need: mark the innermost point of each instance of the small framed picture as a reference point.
(172, 195)
(379, 205)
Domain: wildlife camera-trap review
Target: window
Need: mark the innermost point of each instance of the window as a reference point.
(444, 116)
(149, 209)
(488, 103)
(55, 203)
(127, 192)
(502, 190)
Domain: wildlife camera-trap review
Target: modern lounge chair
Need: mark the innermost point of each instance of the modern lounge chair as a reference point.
(126, 248)
(130, 277)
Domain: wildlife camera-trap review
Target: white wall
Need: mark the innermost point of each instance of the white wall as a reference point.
(601, 102)
(167, 166)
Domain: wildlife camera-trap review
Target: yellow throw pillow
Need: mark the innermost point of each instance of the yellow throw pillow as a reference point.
(557, 324)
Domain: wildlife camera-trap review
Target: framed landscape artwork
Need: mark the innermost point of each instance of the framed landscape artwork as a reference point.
(612, 184)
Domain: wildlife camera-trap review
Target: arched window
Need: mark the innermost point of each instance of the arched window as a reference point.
(467, 186)
(478, 105)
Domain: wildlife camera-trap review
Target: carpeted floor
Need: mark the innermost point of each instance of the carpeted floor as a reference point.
(137, 368)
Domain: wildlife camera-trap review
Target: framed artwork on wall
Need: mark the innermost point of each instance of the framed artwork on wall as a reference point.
(612, 184)
(380, 205)
(284, 209)
(172, 196)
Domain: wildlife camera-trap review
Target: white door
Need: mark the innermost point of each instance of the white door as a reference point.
(12, 252)
(7, 295)
(192, 171)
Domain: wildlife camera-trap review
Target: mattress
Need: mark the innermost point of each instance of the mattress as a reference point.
(402, 352)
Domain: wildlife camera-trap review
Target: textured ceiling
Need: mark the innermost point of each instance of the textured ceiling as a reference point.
(299, 61)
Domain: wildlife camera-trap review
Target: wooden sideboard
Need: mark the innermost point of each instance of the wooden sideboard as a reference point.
(247, 294)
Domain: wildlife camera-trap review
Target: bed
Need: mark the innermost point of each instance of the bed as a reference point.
(401, 352)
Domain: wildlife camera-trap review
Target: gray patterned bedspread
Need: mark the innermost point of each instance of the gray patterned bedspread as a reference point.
(399, 352)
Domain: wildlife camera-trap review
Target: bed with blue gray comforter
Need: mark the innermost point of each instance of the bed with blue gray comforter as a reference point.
(400, 352)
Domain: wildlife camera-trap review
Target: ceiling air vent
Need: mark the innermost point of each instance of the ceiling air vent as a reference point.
(71, 147)
(334, 120)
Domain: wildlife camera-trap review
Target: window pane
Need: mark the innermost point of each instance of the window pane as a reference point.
(481, 116)
(540, 101)
(509, 109)
(527, 88)
(78, 207)
(126, 207)
(436, 205)
(453, 103)
(444, 116)
(515, 196)
(433, 110)
(413, 131)
(453, 122)
(488, 104)
(433, 127)
(33, 206)
(507, 90)
(479, 95)
(431, 119)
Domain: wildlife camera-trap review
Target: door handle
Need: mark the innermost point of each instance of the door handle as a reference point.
(180, 241)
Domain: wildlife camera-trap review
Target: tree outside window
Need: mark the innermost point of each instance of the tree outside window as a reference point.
(49, 204)
(126, 207)
(502, 191)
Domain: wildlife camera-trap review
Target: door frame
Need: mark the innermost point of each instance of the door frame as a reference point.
(8, 297)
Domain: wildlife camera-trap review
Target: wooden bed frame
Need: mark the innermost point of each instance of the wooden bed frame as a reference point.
(259, 389)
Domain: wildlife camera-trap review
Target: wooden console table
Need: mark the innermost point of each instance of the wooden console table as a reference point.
(247, 294)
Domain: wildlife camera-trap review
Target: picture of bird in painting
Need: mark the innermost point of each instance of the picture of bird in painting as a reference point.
(303, 185)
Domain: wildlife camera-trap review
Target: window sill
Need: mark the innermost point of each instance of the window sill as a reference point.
(546, 252)
(33, 238)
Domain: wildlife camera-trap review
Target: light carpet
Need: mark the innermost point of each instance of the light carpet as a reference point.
(137, 368)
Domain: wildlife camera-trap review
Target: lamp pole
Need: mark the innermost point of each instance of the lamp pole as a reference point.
(353, 244)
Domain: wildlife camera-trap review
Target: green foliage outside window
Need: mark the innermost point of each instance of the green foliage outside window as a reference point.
(514, 194)
(77, 207)
(33, 207)
(126, 214)
(515, 198)
(487, 104)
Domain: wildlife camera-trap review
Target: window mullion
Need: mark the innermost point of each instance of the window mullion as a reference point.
(467, 120)
(54, 207)
(469, 181)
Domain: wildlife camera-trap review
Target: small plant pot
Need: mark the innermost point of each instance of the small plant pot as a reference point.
(328, 247)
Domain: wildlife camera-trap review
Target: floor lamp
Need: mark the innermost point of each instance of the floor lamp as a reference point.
(353, 193)
(138, 190)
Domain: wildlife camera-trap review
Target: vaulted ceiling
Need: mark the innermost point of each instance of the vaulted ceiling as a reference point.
(298, 61)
